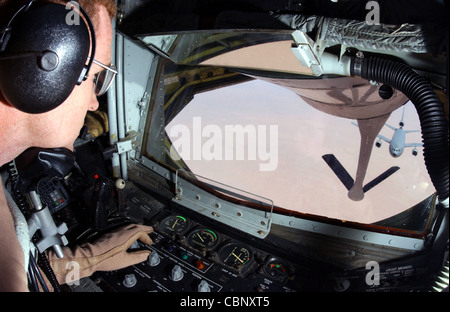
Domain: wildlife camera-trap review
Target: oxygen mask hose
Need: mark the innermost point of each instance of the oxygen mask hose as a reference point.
(432, 118)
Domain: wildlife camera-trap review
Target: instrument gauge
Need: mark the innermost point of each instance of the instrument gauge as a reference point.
(174, 224)
(276, 268)
(202, 239)
(236, 255)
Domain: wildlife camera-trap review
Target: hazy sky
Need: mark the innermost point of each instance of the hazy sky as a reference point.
(302, 180)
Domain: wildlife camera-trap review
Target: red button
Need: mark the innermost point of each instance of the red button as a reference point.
(199, 264)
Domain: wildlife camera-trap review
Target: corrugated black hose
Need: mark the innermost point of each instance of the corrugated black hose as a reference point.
(432, 118)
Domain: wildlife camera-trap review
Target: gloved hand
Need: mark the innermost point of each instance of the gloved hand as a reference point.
(107, 253)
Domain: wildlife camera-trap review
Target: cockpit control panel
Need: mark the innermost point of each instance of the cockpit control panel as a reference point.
(191, 255)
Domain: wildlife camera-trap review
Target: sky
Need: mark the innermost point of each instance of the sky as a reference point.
(301, 180)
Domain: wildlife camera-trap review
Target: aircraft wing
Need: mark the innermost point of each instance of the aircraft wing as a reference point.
(413, 144)
(384, 138)
(393, 128)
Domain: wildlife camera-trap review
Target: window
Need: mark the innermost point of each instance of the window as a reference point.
(265, 139)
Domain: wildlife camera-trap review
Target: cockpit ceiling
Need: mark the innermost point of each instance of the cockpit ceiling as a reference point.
(404, 25)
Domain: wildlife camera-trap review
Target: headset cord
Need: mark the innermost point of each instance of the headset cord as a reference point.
(33, 270)
(35, 275)
(19, 197)
(48, 271)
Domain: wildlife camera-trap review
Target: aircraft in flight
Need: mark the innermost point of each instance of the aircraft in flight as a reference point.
(370, 130)
(397, 143)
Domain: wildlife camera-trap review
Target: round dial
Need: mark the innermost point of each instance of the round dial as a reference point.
(174, 224)
(276, 268)
(235, 255)
(203, 239)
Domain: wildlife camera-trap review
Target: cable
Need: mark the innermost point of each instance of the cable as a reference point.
(48, 271)
(32, 284)
(429, 108)
(18, 197)
(33, 267)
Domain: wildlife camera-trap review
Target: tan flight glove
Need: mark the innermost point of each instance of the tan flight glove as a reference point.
(107, 253)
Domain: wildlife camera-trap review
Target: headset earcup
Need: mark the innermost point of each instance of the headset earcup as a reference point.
(38, 84)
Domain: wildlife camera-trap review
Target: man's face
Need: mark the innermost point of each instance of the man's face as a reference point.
(61, 126)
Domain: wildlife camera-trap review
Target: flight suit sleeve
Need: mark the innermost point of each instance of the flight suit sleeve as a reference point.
(109, 252)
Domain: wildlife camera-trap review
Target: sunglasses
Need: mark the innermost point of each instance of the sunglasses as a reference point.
(104, 79)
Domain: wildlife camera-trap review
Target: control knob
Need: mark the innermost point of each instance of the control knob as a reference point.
(154, 259)
(203, 287)
(129, 280)
(176, 274)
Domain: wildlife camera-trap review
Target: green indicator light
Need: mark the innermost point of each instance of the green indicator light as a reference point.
(184, 255)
